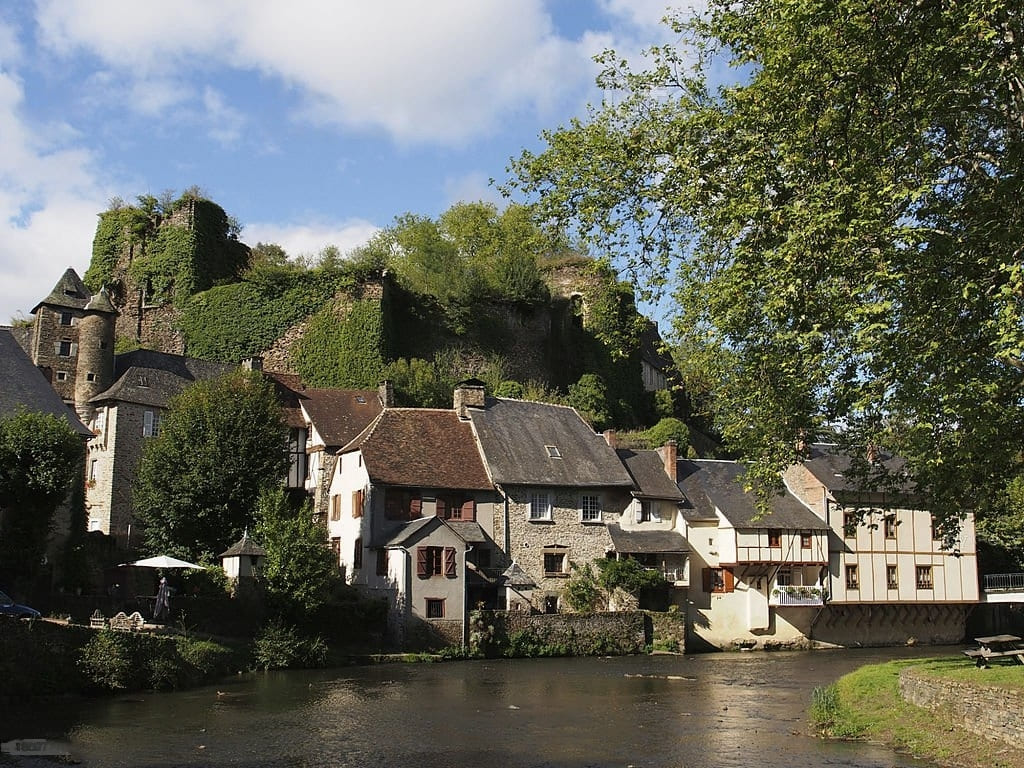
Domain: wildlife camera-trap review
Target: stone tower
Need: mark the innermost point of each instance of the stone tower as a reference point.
(94, 371)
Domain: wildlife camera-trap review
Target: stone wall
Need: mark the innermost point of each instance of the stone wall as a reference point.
(500, 633)
(995, 713)
(667, 630)
(890, 624)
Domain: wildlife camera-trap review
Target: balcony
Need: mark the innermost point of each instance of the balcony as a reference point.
(674, 576)
(789, 595)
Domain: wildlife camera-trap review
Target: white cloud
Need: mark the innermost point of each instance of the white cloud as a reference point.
(471, 188)
(310, 238)
(443, 71)
(225, 122)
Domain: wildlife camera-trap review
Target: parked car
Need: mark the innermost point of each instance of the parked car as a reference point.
(10, 608)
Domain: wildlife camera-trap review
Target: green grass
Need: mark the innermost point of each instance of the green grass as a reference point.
(866, 704)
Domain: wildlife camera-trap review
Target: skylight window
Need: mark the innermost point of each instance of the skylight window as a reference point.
(553, 452)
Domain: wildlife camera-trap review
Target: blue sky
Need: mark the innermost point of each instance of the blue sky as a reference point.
(313, 122)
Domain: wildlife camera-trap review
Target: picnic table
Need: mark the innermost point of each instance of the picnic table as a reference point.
(994, 647)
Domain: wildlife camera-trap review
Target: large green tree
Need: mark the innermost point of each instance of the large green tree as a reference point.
(221, 442)
(845, 215)
(40, 459)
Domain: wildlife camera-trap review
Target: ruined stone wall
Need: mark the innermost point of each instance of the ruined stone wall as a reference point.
(995, 713)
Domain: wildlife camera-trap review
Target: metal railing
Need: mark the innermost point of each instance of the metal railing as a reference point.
(801, 597)
(1003, 581)
(670, 574)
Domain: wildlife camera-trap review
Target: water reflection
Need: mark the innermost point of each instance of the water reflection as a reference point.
(709, 711)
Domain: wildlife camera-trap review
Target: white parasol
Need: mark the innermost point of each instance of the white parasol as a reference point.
(162, 561)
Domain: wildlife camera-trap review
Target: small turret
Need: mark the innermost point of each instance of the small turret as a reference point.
(94, 370)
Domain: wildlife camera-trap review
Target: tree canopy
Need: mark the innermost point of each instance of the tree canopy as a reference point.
(221, 442)
(845, 219)
(40, 458)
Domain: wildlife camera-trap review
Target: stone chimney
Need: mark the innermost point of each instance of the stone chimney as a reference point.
(611, 438)
(254, 363)
(468, 395)
(386, 394)
(670, 454)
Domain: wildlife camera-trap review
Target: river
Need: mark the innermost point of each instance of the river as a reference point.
(697, 711)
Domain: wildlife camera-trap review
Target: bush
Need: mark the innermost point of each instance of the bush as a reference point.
(278, 646)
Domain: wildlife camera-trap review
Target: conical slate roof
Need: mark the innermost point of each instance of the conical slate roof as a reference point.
(69, 292)
(100, 302)
(244, 546)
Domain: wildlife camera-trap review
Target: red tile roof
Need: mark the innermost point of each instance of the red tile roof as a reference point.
(339, 415)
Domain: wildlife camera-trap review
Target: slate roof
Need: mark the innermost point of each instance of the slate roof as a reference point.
(339, 415)
(647, 469)
(421, 448)
(22, 384)
(404, 533)
(832, 469)
(514, 576)
(244, 546)
(711, 484)
(515, 436)
(646, 541)
(147, 377)
(69, 292)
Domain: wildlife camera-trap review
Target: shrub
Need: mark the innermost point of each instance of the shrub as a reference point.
(279, 646)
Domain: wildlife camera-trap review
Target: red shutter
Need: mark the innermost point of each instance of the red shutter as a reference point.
(706, 576)
(421, 563)
(450, 570)
(469, 510)
(415, 507)
(357, 504)
(440, 507)
(727, 580)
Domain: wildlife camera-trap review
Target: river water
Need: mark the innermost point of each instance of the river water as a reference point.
(698, 711)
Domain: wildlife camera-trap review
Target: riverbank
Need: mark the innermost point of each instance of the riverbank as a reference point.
(866, 705)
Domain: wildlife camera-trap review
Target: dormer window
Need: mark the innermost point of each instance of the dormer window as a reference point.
(553, 452)
(143, 381)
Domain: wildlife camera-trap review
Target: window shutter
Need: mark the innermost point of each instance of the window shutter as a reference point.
(727, 580)
(382, 562)
(415, 507)
(357, 554)
(357, 503)
(469, 510)
(450, 563)
(706, 577)
(440, 507)
(421, 563)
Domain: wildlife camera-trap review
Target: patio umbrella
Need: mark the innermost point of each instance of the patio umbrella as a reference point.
(162, 561)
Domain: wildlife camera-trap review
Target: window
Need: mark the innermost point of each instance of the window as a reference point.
(590, 508)
(553, 452)
(435, 608)
(92, 470)
(456, 508)
(892, 580)
(64, 348)
(805, 539)
(852, 578)
(850, 522)
(648, 513)
(924, 577)
(556, 561)
(784, 579)
(382, 562)
(718, 580)
(936, 535)
(65, 318)
(357, 554)
(432, 561)
(150, 423)
(336, 548)
(889, 526)
(540, 506)
(774, 539)
(357, 503)
(62, 375)
(335, 507)
(90, 376)
(402, 505)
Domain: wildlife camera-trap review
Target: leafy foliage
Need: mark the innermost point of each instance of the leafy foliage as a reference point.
(281, 646)
(589, 396)
(1000, 531)
(40, 460)
(668, 429)
(846, 222)
(347, 351)
(221, 442)
(300, 571)
(587, 591)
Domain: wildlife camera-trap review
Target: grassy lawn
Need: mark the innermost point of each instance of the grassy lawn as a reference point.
(866, 704)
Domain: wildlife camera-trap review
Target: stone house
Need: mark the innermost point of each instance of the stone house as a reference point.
(755, 577)
(559, 488)
(410, 519)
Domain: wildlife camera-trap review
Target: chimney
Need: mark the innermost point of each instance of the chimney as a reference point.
(669, 454)
(611, 438)
(254, 363)
(386, 394)
(468, 395)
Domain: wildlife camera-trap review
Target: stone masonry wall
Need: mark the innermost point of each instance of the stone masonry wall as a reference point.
(995, 713)
(575, 633)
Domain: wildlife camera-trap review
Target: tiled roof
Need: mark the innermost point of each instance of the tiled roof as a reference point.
(421, 448)
(711, 484)
(518, 439)
(339, 415)
(23, 385)
(647, 469)
(147, 377)
(833, 470)
(69, 292)
(289, 390)
(646, 541)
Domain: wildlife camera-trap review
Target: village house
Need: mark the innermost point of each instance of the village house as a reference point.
(410, 519)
